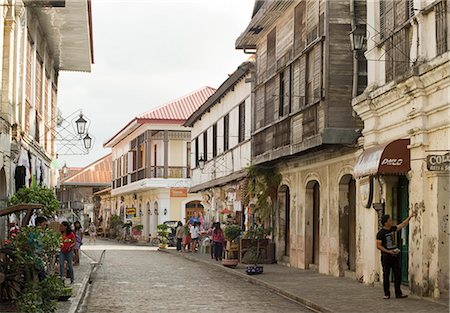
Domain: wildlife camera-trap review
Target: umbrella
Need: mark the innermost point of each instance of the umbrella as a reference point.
(225, 211)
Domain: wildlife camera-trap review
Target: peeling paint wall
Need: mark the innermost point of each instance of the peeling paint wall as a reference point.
(327, 168)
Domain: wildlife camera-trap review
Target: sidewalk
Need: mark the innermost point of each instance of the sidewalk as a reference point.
(321, 292)
(82, 273)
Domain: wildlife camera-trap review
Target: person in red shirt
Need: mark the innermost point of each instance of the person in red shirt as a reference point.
(67, 246)
(218, 240)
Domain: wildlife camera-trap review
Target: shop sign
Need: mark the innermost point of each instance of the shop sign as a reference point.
(438, 162)
(178, 192)
(130, 213)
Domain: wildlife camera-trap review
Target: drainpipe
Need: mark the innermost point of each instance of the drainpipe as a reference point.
(354, 25)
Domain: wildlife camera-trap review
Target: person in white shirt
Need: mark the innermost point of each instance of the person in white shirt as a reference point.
(195, 232)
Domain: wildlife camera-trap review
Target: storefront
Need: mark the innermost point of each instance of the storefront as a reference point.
(384, 186)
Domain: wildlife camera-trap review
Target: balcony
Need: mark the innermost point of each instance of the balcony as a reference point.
(159, 172)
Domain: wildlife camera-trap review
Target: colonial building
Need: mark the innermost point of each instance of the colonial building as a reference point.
(220, 141)
(405, 163)
(38, 39)
(151, 158)
(304, 125)
(77, 192)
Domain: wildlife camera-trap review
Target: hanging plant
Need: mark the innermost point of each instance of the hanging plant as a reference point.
(262, 189)
(38, 195)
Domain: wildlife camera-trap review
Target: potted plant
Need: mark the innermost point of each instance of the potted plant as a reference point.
(163, 232)
(115, 224)
(137, 230)
(252, 256)
(231, 233)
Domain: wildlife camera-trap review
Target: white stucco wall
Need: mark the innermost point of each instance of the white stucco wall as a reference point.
(238, 156)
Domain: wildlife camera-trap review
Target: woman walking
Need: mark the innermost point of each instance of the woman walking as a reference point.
(187, 237)
(179, 235)
(78, 242)
(218, 239)
(92, 232)
(66, 254)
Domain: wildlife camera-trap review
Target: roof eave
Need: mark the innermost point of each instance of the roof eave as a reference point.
(229, 83)
(127, 129)
(261, 23)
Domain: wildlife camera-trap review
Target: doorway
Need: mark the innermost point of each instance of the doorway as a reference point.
(347, 224)
(284, 220)
(400, 215)
(191, 207)
(312, 223)
(3, 201)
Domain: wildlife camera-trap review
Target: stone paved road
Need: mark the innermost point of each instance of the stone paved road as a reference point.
(148, 281)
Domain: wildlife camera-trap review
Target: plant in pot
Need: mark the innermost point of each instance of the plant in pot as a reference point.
(163, 232)
(253, 255)
(115, 225)
(231, 233)
(137, 230)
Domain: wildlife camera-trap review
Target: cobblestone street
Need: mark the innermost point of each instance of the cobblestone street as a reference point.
(147, 281)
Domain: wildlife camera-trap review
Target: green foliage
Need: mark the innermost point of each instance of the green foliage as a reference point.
(163, 230)
(36, 246)
(258, 233)
(263, 184)
(38, 297)
(138, 227)
(40, 195)
(232, 232)
(251, 256)
(115, 221)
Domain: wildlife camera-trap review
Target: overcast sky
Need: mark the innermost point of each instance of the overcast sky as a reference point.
(148, 52)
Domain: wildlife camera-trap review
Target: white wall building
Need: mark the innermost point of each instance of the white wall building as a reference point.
(406, 113)
(151, 165)
(220, 140)
(38, 39)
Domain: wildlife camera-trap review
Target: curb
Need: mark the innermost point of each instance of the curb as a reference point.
(251, 279)
(76, 303)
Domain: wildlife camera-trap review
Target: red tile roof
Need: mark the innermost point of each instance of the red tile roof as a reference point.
(179, 109)
(176, 111)
(98, 173)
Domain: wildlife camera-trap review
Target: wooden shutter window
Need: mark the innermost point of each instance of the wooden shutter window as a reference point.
(38, 85)
(226, 132)
(281, 93)
(441, 27)
(29, 69)
(197, 155)
(46, 118)
(205, 145)
(271, 51)
(299, 27)
(214, 134)
(241, 122)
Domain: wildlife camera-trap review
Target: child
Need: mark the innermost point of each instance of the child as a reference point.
(67, 245)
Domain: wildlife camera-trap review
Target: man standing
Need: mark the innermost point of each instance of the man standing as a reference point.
(390, 254)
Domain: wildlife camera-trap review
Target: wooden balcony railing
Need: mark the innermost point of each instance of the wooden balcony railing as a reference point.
(153, 172)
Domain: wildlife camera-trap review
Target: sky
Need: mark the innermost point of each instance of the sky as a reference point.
(148, 52)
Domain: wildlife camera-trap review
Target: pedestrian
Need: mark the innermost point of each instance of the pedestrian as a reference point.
(187, 237)
(195, 233)
(78, 242)
(92, 232)
(390, 254)
(179, 235)
(41, 223)
(66, 254)
(195, 218)
(219, 240)
(210, 237)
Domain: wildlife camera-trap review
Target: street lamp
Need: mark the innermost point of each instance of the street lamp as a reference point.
(357, 37)
(87, 141)
(201, 163)
(81, 125)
